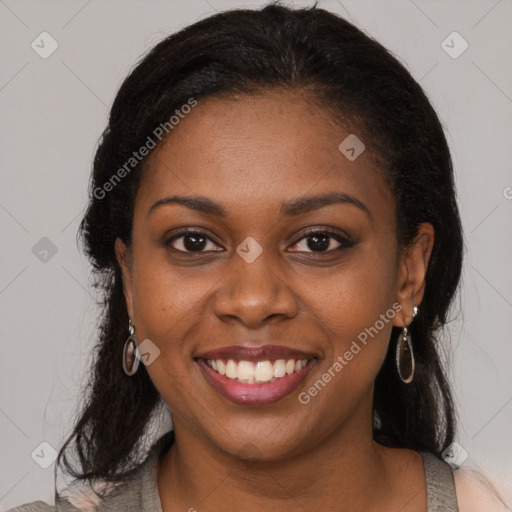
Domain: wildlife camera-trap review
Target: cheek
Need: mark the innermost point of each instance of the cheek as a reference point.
(355, 308)
(169, 307)
(169, 304)
(358, 292)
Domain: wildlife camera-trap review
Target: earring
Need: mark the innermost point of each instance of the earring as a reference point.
(404, 354)
(130, 352)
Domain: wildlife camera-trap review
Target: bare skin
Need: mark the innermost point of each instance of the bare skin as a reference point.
(250, 155)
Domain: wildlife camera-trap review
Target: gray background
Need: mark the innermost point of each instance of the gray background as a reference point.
(53, 112)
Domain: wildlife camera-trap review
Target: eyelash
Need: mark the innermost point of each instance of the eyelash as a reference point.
(344, 241)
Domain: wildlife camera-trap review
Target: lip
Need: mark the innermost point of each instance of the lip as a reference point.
(260, 353)
(255, 394)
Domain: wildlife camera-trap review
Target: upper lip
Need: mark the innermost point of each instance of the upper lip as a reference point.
(256, 353)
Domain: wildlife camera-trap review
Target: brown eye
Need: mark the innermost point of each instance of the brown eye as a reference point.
(321, 241)
(191, 241)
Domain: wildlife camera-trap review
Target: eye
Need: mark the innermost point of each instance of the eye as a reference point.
(321, 242)
(191, 240)
(317, 241)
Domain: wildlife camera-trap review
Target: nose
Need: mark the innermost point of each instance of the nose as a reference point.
(254, 292)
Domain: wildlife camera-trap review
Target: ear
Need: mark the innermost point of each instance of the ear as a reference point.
(412, 269)
(123, 256)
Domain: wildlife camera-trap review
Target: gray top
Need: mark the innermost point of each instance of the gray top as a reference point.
(140, 493)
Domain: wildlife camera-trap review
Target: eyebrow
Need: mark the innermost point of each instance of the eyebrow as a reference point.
(294, 207)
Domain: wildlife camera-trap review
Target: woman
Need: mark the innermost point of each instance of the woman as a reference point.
(273, 220)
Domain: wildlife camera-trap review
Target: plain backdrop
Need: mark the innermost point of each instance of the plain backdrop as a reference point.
(53, 112)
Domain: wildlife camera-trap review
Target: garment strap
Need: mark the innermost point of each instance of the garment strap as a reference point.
(441, 495)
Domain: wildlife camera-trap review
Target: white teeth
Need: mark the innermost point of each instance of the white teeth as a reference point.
(221, 367)
(263, 371)
(245, 372)
(280, 368)
(231, 369)
(260, 372)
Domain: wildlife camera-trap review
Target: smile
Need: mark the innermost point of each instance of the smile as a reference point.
(255, 375)
(259, 372)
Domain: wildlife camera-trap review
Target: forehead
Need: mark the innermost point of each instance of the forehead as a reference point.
(257, 151)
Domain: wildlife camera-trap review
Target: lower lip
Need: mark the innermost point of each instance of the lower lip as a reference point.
(255, 394)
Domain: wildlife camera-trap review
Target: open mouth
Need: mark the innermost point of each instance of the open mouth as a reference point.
(255, 383)
(256, 372)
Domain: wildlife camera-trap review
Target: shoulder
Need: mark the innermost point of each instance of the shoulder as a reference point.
(35, 506)
(475, 493)
(80, 497)
(139, 492)
(41, 506)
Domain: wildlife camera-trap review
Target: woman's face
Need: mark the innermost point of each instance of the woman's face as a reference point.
(251, 275)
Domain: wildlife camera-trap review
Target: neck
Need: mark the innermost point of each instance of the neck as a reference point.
(346, 470)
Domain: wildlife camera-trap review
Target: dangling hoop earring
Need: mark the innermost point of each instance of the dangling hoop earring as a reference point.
(130, 352)
(404, 354)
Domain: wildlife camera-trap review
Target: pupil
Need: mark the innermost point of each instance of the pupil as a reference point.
(197, 242)
(321, 242)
